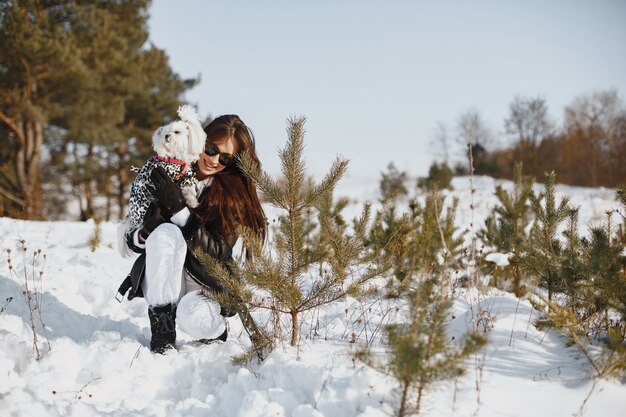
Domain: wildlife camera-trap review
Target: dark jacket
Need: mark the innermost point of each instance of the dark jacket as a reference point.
(197, 236)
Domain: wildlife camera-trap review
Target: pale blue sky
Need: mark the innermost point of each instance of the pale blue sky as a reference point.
(374, 78)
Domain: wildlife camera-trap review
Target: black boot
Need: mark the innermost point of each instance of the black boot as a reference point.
(163, 327)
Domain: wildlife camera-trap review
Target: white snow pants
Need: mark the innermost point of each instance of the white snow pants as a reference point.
(167, 282)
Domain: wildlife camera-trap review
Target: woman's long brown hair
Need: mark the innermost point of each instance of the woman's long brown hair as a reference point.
(232, 199)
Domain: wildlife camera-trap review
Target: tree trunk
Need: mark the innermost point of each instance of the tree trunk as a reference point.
(517, 281)
(405, 395)
(294, 327)
(594, 170)
(27, 159)
(106, 187)
(27, 167)
(122, 181)
(88, 213)
(420, 392)
(85, 186)
(550, 291)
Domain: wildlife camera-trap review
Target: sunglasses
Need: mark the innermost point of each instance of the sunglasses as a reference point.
(224, 159)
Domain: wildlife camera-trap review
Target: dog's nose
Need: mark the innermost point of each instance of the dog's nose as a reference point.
(167, 137)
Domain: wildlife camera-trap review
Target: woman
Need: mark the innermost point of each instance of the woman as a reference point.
(173, 278)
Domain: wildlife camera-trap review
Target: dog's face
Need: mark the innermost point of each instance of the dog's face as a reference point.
(172, 141)
(181, 139)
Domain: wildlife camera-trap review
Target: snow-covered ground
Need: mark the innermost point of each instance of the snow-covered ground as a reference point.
(100, 365)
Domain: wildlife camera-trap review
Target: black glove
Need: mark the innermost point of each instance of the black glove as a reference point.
(168, 196)
(151, 221)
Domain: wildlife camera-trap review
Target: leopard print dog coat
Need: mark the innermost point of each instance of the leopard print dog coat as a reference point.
(141, 193)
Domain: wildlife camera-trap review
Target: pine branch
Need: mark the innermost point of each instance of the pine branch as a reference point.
(337, 170)
(292, 162)
(263, 181)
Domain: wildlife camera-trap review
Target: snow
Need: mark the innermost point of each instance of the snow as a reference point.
(500, 259)
(100, 365)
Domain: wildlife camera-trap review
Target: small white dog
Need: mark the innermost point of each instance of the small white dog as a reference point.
(178, 146)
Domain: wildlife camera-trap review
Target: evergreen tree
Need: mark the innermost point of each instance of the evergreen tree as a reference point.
(80, 70)
(542, 257)
(588, 272)
(420, 352)
(421, 240)
(602, 298)
(392, 185)
(602, 255)
(574, 268)
(506, 227)
(389, 236)
(434, 233)
(621, 233)
(609, 360)
(132, 91)
(317, 237)
(594, 284)
(439, 178)
(287, 274)
(37, 63)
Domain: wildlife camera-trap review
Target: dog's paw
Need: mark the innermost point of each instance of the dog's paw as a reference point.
(190, 199)
(192, 203)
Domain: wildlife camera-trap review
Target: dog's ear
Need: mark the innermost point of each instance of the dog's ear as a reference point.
(189, 114)
(197, 137)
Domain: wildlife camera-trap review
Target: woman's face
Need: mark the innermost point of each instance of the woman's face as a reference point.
(209, 165)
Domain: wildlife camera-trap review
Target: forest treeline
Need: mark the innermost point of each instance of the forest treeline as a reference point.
(586, 149)
(82, 89)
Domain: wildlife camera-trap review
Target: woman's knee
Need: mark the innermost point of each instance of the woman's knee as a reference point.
(166, 235)
(199, 316)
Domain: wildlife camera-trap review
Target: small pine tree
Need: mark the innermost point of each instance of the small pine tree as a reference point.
(389, 237)
(287, 274)
(573, 265)
(421, 240)
(420, 353)
(388, 233)
(439, 178)
(506, 228)
(392, 185)
(95, 239)
(542, 257)
(621, 232)
(434, 232)
(316, 240)
(594, 282)
(607, 280)
(609, 361)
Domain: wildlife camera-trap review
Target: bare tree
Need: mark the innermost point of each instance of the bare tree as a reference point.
(472, 130)
(528, 120)
(594, 135)
(473, 133)
(441, 139)
(529, 125)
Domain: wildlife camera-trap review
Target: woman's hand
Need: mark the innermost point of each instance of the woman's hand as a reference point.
(168, 196)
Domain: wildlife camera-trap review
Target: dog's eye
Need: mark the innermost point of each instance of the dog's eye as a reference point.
(177, 132)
